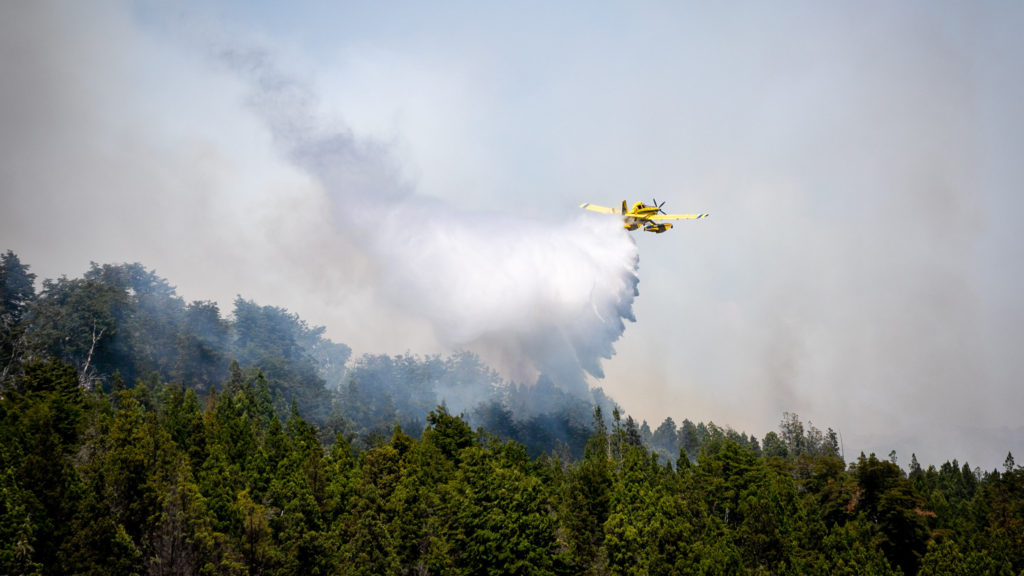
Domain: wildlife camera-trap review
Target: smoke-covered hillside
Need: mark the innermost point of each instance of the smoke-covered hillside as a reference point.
(122, 325)
(119, 325)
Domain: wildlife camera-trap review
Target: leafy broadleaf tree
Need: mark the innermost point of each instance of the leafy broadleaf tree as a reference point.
(75, 322)
(202, 343)
(279, 344)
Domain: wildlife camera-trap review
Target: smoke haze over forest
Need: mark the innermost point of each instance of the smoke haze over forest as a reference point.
(534, 297)
(410, 179)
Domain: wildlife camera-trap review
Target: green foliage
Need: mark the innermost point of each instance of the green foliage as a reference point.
(449, 434)
(17, 531)
(17, 291)
(502, 523)
(75, 321)
(282, 346)
(148, 480)
(124, 319)
(193, 464)
(888, 500)
(587, 501)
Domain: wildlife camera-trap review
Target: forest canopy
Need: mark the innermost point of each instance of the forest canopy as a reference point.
(143, 434)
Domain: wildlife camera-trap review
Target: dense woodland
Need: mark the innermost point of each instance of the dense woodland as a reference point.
(140, 434)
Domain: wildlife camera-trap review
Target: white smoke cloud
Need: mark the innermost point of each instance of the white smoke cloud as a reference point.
(532, 297)
(554, 295)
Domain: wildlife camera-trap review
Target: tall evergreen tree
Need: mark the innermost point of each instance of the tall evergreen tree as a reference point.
(17, 292)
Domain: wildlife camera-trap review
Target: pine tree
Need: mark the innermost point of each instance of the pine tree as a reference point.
(891, 503)
(587, 500)
(17, 292)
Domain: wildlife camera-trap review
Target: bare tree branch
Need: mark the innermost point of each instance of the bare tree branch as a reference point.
(84, 380)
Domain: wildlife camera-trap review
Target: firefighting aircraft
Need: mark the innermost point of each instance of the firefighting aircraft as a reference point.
(649, 216)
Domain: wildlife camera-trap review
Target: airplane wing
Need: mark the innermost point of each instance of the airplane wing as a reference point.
(679, 216)
(601, 209)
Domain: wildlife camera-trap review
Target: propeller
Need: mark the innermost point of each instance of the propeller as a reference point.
(659, 205)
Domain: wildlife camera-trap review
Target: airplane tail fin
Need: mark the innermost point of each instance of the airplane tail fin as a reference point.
(624, 207)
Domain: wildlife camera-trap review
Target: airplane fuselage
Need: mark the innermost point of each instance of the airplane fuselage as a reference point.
(640, 215)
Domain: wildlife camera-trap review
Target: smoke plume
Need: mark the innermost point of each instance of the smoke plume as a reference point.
(531, 297)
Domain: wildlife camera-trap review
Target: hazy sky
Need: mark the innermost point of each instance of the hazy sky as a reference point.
(862, 163)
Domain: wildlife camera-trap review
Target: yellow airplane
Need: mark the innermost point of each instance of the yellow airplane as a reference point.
(647, 215)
